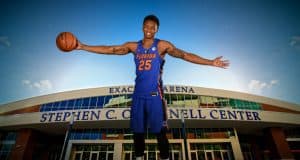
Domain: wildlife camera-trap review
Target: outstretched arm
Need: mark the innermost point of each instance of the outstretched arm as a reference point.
(190, 57)
(110, 50)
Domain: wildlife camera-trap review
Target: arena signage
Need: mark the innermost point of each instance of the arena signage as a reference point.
(167, 89)
(173, 113)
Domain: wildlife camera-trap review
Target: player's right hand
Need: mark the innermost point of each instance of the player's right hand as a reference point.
(79, 45)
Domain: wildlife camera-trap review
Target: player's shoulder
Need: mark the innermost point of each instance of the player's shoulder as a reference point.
(162, 41)
(131, 45)
(164, 44)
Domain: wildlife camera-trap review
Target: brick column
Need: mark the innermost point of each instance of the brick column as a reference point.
(276, 142)
(24, 146)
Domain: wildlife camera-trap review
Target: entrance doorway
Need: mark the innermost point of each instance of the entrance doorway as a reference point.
(152, 152)
(205, 151)
(93, 152)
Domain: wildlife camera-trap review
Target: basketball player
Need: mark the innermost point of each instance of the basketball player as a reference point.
(148, 107)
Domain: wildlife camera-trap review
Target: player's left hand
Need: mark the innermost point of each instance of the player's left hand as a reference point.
(218, 62)
(165, 125)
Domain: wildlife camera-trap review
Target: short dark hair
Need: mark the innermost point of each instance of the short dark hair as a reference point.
(152, 18)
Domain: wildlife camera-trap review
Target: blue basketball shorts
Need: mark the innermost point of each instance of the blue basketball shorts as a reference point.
(146, 112)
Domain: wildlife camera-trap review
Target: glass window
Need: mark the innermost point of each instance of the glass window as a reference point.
(49, 106)
(71, 104)
(208, 101)
(7, 144)
(107, 101)
(199, 133)
(85, 135)
(86, 101)
(258, 106)
(110, 147)
(78, 103)
(48, 109)
(232, 103)
(100, 101)
(56, 104)
(64, 103)
(247, 105)
(191, 130)
(222, 102)
(129, 98)
(200, 146)
(172, 99)
(167, 97)
(93, 102)
(95, 134)
(122, 101)
(11, 136)
(176, 133)
(208, 146)
(254, 106)
(239, 104)
(191, 101)
(177, 100)
(42, 108)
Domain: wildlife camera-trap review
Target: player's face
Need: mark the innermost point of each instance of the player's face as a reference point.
(149, 29)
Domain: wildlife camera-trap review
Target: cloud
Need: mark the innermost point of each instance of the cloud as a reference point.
(273, 82)
(257, 86)
(25, 82)
(4, 41)
(42, 85)
(295, 42)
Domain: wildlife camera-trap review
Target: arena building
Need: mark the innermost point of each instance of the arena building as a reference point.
(93, 124)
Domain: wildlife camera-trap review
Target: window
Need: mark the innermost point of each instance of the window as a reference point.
(93, 103)
(78, 103)
(85, 103)
(106, 100)
(7, 144)
(191, 101)
(129, 98)
(100, 101)
(71, 104)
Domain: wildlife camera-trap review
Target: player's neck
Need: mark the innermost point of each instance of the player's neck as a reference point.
(147, 42)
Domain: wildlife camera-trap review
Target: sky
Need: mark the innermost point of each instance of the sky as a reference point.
(261, 39)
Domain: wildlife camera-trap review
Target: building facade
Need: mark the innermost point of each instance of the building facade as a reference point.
(93, 124)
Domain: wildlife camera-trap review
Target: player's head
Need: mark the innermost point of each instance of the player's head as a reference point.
(153, 18)
(150, 26)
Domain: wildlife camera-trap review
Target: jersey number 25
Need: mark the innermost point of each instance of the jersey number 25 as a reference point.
(145, 65)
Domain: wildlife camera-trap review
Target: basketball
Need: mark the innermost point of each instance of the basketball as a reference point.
(66, 41)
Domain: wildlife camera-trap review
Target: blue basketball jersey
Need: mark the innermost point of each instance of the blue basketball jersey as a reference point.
(147, 107)
(149, 67)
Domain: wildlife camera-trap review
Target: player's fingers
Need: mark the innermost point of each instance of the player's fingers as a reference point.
(225, 62)
(78, 45)
(220, 57)
(225, 65)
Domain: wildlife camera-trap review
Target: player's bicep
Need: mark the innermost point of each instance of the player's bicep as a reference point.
(175, 52)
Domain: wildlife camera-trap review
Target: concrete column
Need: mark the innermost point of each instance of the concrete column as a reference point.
(236, 147)
(24, 146)
(276, 142)
(68, 150)
(118, 150)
